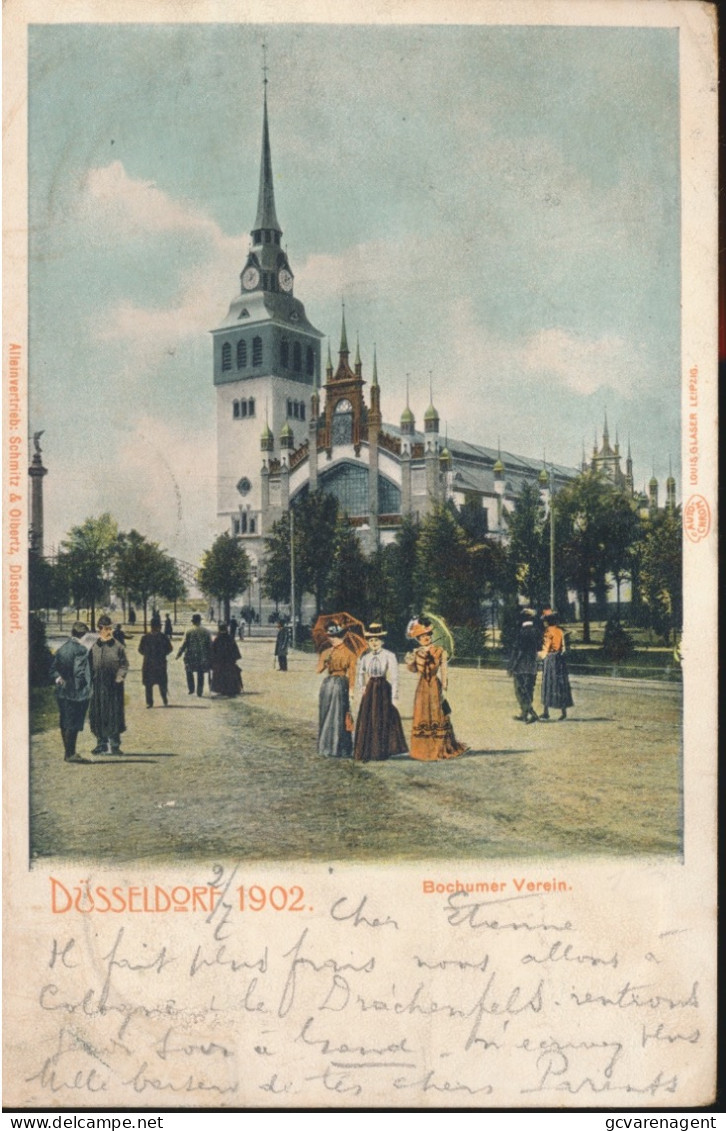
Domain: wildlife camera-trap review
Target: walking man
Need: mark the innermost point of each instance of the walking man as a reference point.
(155, 646)
(197, 652)
(523, 666)
(71, 671)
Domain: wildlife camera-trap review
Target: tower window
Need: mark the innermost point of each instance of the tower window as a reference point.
(257, 351)
(310, 362)
(268, 236)
(251, 406)
(235, 410)
(252, 526)
(285, 353)
(241, 353)
(296, 410)
(235, 526)
(243, 523)
(297, 357)
(243, 408)
(302, 410)
(226, 356)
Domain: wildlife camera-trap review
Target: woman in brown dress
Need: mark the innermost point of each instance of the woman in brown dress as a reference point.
(433, 736)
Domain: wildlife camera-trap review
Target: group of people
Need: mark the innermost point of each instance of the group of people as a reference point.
(540, 638)
(90, 668)
(377, 732)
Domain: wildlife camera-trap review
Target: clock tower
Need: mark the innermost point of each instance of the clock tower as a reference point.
(266, 365)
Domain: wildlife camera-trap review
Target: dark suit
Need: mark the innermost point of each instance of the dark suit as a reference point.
(71, 671)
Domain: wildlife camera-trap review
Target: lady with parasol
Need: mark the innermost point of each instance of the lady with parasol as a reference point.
(335, 722)
(378, 732)
(433, 738)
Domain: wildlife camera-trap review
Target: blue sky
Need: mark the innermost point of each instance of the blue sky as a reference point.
(496, 205)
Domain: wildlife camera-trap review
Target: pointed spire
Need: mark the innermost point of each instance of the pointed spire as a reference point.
(343, 335)
(374, 378)
(329, 364)
(266, 215)
(605, 436)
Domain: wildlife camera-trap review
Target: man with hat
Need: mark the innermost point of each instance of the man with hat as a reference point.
(378, 732)
(109, 666)
(523, 666)
(197, 652)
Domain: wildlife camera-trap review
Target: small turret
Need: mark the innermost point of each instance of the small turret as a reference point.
(267, 440)
(287, 440)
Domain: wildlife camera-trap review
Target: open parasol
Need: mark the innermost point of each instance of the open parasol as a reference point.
(441, 634)
(353, 638)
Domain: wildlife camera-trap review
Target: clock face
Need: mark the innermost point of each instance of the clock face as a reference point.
(285, 280)
(244, 486)
(250, 278)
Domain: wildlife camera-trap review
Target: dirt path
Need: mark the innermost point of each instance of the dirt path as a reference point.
(241, 778)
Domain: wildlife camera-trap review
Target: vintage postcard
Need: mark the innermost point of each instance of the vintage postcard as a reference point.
(359, 558)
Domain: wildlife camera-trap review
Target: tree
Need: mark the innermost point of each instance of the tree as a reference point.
(346, 588)
(443, 572)
(225, 571)
(528, 547)
(86, 557)
(314, 518)
(661, 572)
(623, 532)
(142, 570)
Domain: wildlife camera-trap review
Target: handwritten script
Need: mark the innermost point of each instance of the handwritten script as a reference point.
(461, 1000)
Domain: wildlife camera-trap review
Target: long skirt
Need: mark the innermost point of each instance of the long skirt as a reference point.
(226, 679)
(378, 732)
(334, 738)
(107, 709)
(556, 682)
(433, 736)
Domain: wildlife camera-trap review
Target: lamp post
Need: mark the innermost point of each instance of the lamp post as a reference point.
(552, 537)
(292, 576)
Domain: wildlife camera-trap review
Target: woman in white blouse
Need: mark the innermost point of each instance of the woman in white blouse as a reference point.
(378, 731)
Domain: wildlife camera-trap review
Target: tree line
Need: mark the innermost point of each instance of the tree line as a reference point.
(446, 562)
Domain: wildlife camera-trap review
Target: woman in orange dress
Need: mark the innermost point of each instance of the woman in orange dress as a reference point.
(555, 679)
(335, 721)
(433, 738)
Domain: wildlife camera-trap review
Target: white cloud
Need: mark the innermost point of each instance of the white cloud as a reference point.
(582, 365)
(134, 207)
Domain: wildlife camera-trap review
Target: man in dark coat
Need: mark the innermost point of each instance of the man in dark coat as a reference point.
(109, 666)
(71, 672)
(282, 643)
(155, 646)
(197, 652)
(523, 666)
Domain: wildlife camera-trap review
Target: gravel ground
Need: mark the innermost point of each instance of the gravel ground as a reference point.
(241, 778)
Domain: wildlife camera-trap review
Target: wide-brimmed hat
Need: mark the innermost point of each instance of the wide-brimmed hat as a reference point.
(104, 622)
(375, 631)
(418, 629)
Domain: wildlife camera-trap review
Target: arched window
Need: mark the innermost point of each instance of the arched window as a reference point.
(251, 406)
(297, 357)
(226, 356)
(285, 353)
(289, 407)
(343, 423)
(243, 408)
(235, 410)
(257, 351)
(235, 526)
(296, 410)
(310, 361)
(302, 410)
(252, 526)
(241, 353)
(243, 523)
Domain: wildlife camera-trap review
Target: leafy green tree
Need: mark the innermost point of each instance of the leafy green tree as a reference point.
(528, 547)
(661, 572)
(314, 517)
(87, 555)
(346, 588)
(624, 530)
(225, 571)
(142, 570)
(443, 573)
